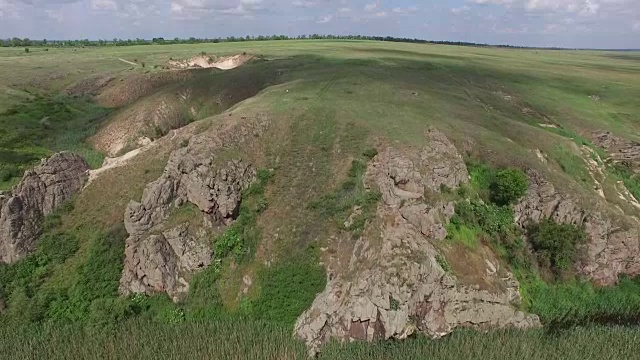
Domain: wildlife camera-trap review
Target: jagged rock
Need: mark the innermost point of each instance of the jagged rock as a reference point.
(429, 220)
(39, 193)
(395, 287)
(621, 150)
(160, 261)
(611, 250)
(402, 179)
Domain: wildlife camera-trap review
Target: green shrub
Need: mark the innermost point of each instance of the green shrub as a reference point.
(442, 261)
(555, 244)
(287, 289)
(370, 153)
(508, 186)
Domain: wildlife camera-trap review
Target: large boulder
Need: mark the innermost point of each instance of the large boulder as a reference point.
(395, 284)
(39, 193)
(613, 248)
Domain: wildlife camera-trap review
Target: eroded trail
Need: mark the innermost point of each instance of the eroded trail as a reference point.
(127, 61)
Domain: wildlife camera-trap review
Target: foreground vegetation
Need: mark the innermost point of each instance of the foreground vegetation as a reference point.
(248, 340)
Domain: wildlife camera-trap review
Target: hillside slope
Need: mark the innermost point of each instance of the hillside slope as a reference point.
(347, 190)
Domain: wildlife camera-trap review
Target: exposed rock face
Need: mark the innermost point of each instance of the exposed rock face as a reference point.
(159, 260)
(394, 286)
(611, 251)
(620, 150)
(158, 263)
(39, 193)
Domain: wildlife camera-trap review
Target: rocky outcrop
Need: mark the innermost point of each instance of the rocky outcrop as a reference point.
(620, 150)
(159, 263)
(612, 249)
(395, 286)
(38, 194)
(161, 260)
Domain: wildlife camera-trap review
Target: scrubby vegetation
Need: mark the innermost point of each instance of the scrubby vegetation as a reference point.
(351, 205)
(555, 244)
(548, 284)
(84, 297)
(42, 126)
(508, 186)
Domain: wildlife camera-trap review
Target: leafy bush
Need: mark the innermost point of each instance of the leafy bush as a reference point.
(508, 186)
(555, 244)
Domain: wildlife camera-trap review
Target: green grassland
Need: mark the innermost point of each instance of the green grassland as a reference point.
(331, 102)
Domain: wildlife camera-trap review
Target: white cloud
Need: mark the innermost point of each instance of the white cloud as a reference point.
(55, 15)
(460, 10)
(104, 5)
(303, 3)
(371, 7)
(325, 19)
(194, 9)
(583, 7)
(405, 11)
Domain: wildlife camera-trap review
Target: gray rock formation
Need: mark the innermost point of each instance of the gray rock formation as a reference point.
(612, 249)
(38, 194)
(395, 286)
(621, 150)
(159, 263)
(161, 260)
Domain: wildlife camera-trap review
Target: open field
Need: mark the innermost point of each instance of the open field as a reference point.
(330, 105)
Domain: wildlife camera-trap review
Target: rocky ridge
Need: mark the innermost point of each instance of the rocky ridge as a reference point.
(159, 259)
(41, 190)
(396, 286)
(613, 249)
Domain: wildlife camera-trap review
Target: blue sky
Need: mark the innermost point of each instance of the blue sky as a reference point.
(566, 23)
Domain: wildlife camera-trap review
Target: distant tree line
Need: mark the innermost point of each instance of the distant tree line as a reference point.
(17, 42)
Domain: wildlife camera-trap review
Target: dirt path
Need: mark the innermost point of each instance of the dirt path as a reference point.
(127, 61)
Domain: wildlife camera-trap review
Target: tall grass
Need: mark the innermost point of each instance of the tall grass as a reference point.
(248, 340)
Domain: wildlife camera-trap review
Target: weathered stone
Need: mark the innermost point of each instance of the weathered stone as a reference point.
(159, 260)
(620, 150)
(396, 287)
(430, 220)
(401, 178)
(38, 194)
(159, 263)
(611, 250)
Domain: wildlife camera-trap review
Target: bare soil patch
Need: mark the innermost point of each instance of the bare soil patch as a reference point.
(205, 61)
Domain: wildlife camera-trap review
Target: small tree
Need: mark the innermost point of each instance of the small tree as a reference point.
(555, 244)
(26, 50)
(508, 186)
